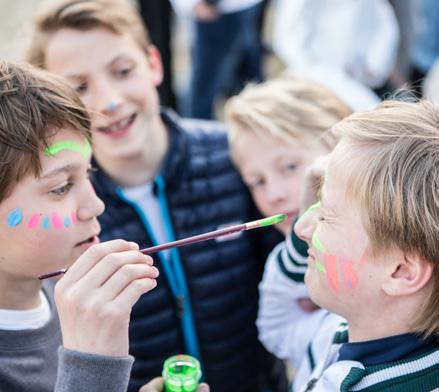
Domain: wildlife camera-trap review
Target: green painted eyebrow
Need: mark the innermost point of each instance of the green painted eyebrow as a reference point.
(62, 145)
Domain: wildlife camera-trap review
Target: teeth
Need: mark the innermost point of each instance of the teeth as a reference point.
(117, 126)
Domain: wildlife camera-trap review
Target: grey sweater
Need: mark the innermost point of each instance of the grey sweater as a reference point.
(35, 361)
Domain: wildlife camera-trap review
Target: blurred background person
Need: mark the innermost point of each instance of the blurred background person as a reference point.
(348, 45)
(158, 18)
(226, 50)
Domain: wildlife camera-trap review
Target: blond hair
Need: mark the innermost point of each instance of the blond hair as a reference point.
(396, 183)
(117, 16)
(292, 109)
(34, 105)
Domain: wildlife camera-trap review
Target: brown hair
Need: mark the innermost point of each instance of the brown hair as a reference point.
(292, 109)
(34, 105)
(396, 182)
(118, 16)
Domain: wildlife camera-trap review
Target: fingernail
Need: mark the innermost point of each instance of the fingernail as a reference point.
(149, 260)
(134, 245)
(157, 273)
(203, 388)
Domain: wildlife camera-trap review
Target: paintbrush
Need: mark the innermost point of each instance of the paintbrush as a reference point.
(271, 220)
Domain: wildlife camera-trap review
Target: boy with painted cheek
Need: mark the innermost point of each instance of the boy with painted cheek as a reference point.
(48, 213)
(373, 261)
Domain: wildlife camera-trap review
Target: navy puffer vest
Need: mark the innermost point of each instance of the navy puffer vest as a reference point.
(206, 299)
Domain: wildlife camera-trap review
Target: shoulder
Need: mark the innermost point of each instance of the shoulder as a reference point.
(205, 131)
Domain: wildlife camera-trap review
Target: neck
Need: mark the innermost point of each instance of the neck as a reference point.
(384, 319)
(141, 168)
(19, 294)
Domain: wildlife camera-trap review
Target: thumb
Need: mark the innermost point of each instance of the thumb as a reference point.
(155, 385)
(203, 388)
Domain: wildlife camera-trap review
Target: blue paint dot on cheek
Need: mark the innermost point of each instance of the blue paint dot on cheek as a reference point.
(15, 217)
(67, 222)
(46, 222)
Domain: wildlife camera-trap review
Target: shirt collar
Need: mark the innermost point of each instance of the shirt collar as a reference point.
(389, 349)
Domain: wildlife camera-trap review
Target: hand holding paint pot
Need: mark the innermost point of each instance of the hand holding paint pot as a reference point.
(181, 373)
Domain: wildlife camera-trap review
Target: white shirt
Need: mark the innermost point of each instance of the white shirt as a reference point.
(358, 38)
(144, 197)
(224, 6)
(18, 320)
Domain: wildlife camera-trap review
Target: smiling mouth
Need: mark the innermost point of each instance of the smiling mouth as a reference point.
(119, 126)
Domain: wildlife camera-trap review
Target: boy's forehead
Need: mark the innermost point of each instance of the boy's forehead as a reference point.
(77, 145)
(63, 52)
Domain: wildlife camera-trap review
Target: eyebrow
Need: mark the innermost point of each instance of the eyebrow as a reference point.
(63, 169)
(110, 64)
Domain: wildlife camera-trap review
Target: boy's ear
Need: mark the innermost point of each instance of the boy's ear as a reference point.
(409, 276)
(155, 64)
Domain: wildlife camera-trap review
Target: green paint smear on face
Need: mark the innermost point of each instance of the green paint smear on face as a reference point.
(62, 145)
(320, 267)
(311, 208)
(318, 245)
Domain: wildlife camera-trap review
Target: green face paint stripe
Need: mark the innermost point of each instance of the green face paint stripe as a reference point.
(316, 243)
(57, 147)
(320, 267)
(311, 208)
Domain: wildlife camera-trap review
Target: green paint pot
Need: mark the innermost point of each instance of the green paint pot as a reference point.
(182, 373)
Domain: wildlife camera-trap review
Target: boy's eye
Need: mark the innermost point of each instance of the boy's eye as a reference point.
(81, 88)
(255, 184)
(290, 167)
(62, 190)
(123, 72)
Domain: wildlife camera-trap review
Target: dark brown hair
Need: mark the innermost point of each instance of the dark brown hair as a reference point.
(34, 106)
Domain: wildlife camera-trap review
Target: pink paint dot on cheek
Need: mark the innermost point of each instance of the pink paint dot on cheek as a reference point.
(56, 221)
(331, 271)
(34, 221)
(73, 216)
(350, 275)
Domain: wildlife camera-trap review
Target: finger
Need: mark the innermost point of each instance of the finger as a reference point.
(307, 305)
(155, 385)
(131, 294)
(123, 277)
(93, 255)
(203, 387)
(110, 264)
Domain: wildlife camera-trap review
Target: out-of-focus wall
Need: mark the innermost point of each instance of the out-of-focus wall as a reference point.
(14, 14)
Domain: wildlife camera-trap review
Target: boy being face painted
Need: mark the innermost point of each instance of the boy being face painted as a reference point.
(373, 238)
(51, 216)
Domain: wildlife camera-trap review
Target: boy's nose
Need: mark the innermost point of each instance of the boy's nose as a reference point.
(306, 225)
(106, 99)
(275, 194)
(92, 206)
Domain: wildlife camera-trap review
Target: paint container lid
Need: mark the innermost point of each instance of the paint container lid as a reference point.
(181, 373)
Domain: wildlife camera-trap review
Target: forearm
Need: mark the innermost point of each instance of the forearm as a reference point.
(79, 371)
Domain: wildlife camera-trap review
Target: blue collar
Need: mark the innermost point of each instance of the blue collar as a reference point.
(390, 349)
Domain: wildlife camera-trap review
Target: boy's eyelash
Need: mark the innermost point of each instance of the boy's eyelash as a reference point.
(62, 189)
